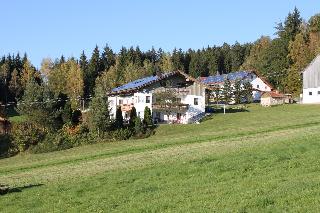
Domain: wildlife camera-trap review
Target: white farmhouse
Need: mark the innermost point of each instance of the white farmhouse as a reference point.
(259, 84)
(191, 96)
(311, 82)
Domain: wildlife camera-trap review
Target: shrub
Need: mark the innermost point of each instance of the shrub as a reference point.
(26, 134)
(121, 134)
(5, 145)
(118, 123)
(138, 127)
(147, 118)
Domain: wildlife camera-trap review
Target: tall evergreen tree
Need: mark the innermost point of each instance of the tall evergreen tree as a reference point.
(107, 58)
(119, 119)
(92, 72)
(133, 116)
(147, 117)
(99, 116)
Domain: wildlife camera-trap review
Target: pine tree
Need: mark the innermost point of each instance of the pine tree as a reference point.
(247, 92)
(83, 62)
(99, 116)
(147, 117)
(291, 26)
(92, 72)
(119, 119)
(237, 92)
(15, 85)
(133, 115)
(227, 91)
(107, 58)
(138, 127)
(177, 59)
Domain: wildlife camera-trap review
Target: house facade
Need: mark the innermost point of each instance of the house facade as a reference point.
(259, 84)
(311, 82)
(188, 106)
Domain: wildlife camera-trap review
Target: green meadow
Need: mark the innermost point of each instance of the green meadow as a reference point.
(261, 160)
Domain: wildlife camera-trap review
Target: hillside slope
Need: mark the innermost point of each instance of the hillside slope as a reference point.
(263, 159)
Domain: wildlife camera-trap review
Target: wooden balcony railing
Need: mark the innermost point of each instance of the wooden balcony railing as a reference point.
(126, 107)
(178, 107)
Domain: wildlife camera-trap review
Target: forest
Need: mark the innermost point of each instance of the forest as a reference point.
(52, 95)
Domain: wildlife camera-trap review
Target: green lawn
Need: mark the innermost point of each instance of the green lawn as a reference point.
(266, 159)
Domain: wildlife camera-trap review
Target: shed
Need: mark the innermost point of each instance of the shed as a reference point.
(272, 98)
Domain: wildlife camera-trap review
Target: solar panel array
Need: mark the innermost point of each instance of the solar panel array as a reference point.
(240, 75)
(141, 82)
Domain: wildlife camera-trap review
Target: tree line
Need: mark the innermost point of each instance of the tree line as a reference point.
(52, 95)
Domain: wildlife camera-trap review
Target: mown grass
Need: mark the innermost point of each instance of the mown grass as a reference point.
(262, 160)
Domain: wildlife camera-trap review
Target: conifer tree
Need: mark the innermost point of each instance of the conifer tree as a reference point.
(133, 115)
(99, 115)
(147, 117)
(92, 72)
(119, 119)
(107, 58)
(227, 91)
(237, 91)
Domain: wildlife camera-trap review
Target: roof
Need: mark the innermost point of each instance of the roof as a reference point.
(274, 94)
(143, 82)
(233, 76)
(314, 61)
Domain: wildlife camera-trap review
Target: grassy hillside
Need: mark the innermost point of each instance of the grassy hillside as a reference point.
(265, 159)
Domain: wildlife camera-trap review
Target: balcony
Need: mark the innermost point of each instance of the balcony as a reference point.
(171, 107)
(126, 107)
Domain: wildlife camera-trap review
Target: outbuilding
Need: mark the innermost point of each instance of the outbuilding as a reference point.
(311, 82)
(272, 98)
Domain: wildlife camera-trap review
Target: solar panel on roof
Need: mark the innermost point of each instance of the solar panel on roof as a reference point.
(140, 82)
(231, 76)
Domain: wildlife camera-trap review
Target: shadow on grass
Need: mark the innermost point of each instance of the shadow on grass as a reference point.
(7, 190)
(217, 111)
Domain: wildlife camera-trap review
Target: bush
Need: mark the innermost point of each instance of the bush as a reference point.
(5, 146)
(26, 134)
(121, 134)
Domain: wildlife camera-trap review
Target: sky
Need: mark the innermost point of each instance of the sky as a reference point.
(52, 28)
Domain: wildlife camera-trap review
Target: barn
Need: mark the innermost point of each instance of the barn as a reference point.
(311, 82)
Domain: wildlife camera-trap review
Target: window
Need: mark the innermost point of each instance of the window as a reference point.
(310, 93)
(258, 86)
(140, 100)
(195, 101)
(318, 92)
(147, 99)
(120, 102)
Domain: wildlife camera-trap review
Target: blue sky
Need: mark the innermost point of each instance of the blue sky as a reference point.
(51, 28)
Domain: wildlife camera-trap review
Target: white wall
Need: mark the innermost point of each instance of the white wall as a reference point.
(138, 100)
(140, 103)
(194, 110)
(258, 84)
(311, 99)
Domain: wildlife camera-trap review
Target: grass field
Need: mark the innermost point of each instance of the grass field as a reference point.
(266, 159)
